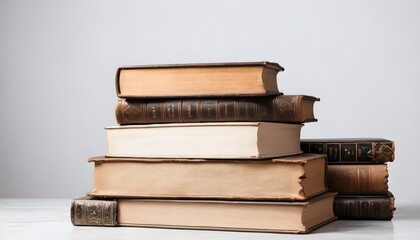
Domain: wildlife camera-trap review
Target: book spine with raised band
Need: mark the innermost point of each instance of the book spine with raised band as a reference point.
(374, 207)
(280, 108)
(89, 212)
(352, 152)
(358, 179)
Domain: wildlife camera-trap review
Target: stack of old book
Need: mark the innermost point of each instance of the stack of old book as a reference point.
(207, 146)
(357, 170)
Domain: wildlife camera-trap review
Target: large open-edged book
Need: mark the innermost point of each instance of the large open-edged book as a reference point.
(297, 177)
(351, 150)
(228, 140)
(205, 79)
(273, 108)
(259, 216)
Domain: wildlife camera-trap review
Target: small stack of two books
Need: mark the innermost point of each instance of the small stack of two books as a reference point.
(358, 172)
(207, 146)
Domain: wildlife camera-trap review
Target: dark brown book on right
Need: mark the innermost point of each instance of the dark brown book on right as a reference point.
(277, 108)
(367, 207)
(351, 150)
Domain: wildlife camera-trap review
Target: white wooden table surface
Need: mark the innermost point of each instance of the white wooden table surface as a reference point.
(50, 219)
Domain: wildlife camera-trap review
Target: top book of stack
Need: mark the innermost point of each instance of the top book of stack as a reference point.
(192, 80)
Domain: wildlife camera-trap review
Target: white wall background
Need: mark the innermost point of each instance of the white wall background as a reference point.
(58, 60)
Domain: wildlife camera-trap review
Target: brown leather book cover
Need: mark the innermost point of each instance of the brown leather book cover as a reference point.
(358, 179)
(365, 207)
(280, 108)
(268, 64)
(351, 150)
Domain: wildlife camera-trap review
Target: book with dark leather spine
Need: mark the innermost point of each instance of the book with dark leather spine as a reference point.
(351, 150)
(365, 207)
(276, 108)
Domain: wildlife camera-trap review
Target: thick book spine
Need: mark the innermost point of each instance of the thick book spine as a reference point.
(88, 212)
(358, 179)
(348, 152)
(364, 207)
(280, 108)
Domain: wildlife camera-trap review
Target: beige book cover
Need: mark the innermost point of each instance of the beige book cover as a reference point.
(290, 178)
(221, 140)
(256, 216)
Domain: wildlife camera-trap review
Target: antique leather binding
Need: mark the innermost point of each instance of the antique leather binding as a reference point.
(280, 108)
(368, 207)
(351, 150)
(358, 179)
(89, 212)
